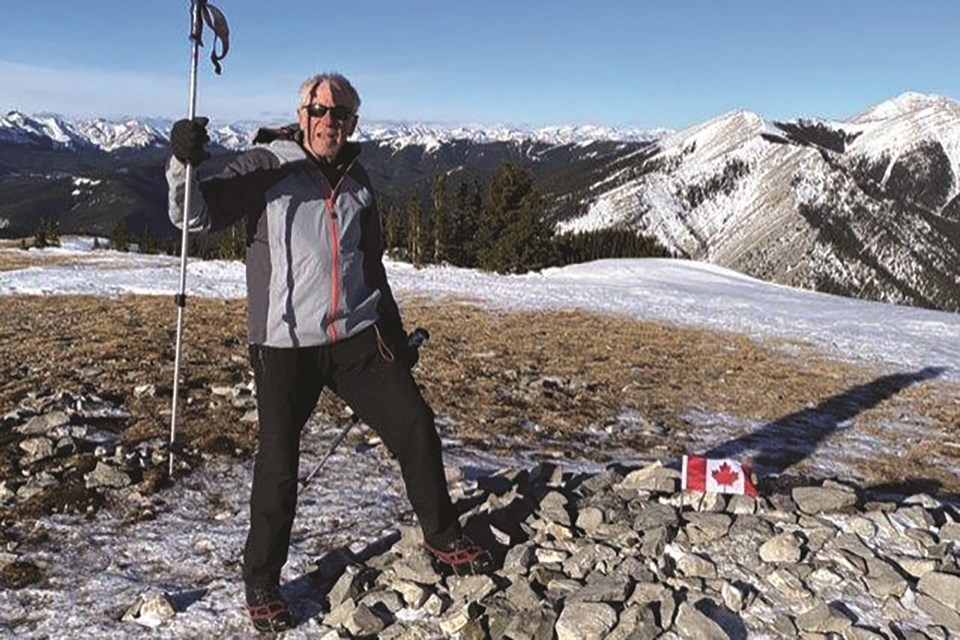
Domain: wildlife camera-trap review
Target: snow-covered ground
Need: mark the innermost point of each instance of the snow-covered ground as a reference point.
(96, 567)
(682, 292)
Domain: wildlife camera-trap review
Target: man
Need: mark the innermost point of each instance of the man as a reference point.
(320, 314)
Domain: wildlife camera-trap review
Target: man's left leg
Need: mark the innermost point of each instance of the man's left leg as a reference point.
(385, 396)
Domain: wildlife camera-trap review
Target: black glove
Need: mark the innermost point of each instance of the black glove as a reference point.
(410, 356)
(187, 139)
(410, 351)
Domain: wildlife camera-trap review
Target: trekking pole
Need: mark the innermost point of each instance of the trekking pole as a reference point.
(200, 11)
(417, 338)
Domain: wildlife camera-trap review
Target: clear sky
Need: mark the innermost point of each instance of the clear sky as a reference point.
(520, 62)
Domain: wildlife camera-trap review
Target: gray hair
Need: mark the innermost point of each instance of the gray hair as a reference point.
(337, 81)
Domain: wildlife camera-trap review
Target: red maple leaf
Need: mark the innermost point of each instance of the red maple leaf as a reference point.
(725, 475)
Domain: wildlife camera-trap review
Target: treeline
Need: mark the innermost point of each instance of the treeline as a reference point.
(229, 244)
(500, 226)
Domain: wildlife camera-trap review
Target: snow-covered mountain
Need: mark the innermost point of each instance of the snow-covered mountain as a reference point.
(52, 131)
(55, 132)
(866, 207)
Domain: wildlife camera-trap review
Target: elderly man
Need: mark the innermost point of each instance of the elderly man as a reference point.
(320, 314)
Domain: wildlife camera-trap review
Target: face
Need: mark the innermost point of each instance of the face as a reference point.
(323, 136)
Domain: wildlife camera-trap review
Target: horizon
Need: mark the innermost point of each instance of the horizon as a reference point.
(444, 126)
(640, 66)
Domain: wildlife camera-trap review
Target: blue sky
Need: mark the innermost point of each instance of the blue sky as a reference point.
(521, 62)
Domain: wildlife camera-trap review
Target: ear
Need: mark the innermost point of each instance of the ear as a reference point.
(352, 125)
(302, 118)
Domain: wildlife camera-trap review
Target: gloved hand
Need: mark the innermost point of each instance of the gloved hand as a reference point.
(187, 139)
(410, 354)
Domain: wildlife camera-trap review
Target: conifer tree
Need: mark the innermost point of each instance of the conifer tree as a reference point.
(147, 243)
(512, 235)
(440, 226)
(120, 237)
(47, 234)
(415, 238)
(394, 228)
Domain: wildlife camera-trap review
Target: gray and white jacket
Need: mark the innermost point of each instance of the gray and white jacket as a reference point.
(315, 270)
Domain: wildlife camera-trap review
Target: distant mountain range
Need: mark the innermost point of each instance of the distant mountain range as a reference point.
(866, 207)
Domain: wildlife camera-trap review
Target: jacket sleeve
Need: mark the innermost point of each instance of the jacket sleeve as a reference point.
(219, 201)
(375, 274)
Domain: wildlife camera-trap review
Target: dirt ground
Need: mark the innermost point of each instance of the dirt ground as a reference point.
(494, 378)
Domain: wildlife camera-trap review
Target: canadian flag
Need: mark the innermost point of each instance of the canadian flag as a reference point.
(716, 476)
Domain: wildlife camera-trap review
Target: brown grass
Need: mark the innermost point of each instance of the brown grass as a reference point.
(487, 372)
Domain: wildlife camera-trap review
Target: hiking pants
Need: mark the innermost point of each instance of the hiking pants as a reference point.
(381, 392)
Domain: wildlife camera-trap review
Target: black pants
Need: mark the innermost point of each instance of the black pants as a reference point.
(382, 393)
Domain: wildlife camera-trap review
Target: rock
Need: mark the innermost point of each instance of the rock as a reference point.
(585, 621)
(782, 548)
(823, 618)
(705, 527)
(45, 423)
(824, 499)
(942, 587)
(916, 567)
(612, 589)
(364, 622)
(354, 580)
(691, 623)
(653, 515)
(145, 391)
(742, 505)
(467, 589)
(106, 476)
(695, 566)
(151, 610)
(789, 585)
(36, 449)
(653, 478)
(589, 519)
(941, 613)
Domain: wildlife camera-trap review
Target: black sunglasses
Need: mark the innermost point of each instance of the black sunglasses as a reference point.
(340, 113)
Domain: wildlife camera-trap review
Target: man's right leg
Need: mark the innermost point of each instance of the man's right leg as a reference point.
(288, 386)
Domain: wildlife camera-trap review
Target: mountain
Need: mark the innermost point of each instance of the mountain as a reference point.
(867, 207)
(42, 156)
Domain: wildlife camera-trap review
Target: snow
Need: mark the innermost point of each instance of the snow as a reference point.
(95, 567)
(683, 292)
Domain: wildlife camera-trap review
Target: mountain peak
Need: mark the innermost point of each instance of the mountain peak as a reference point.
(904, 104)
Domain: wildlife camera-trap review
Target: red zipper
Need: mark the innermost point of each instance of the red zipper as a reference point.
(335, 259)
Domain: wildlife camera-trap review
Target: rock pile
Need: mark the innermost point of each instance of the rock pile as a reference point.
(622, 554)
(59, 437)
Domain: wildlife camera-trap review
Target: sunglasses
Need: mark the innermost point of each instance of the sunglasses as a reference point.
(340, 113)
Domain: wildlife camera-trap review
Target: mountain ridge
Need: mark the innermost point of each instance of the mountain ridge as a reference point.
(867, 207)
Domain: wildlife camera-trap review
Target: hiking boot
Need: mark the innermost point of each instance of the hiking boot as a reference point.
(267, 610)
(460, 556)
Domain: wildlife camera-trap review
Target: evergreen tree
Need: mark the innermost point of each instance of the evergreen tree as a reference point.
(441, 229)
(47, 234)
(394, 224)
(120, 237)
(473, 214)
(147, 243)
(40, 235)
(526, 242)
(512, 234)
(53, 233)
(415, 238)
